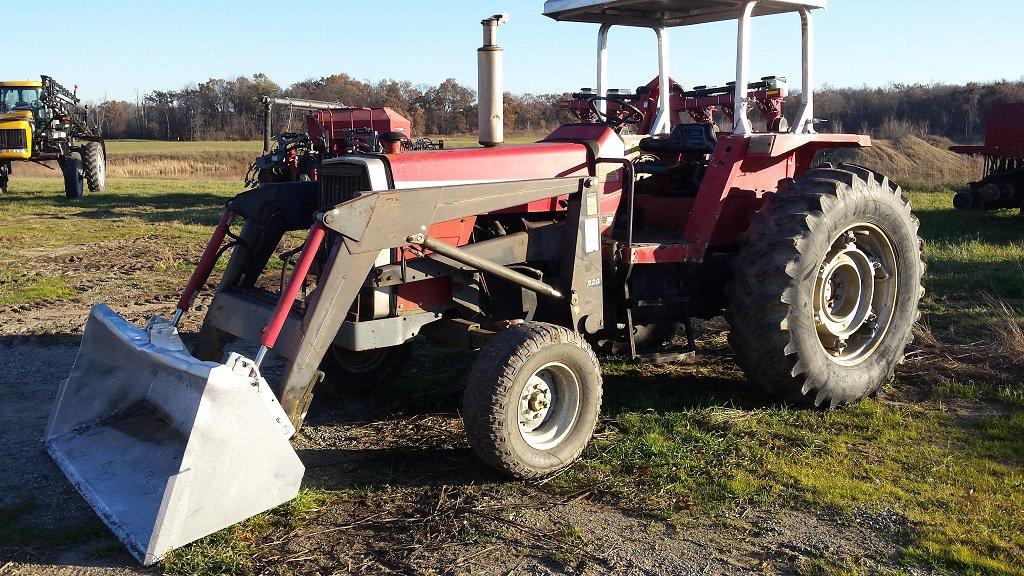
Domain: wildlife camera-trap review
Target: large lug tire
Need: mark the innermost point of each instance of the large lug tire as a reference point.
(95, 162)
(532, 400)
(71, 168)
(361, 372)
(826, 287)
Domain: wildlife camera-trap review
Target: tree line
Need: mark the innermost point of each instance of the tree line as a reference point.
(232, 109)
(956, 112)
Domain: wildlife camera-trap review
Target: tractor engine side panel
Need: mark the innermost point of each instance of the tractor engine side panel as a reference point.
(569, 152)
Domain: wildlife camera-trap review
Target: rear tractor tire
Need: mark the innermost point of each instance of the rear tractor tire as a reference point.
(532, 400)
(826, 287)
(95, 162)
(361, 372)
(71, 168)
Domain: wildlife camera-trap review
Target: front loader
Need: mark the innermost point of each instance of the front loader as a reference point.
(607, 237)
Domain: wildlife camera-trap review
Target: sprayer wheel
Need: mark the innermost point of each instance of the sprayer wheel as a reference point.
(71, 169)
(95, 162)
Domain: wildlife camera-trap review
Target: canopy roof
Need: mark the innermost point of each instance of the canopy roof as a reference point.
(665, 13)
(22, 84)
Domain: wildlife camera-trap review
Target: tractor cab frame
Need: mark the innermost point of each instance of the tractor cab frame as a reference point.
(658, 16)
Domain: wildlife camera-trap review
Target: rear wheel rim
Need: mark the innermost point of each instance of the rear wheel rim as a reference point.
(101, 169)
(855, 294)
(549, 406)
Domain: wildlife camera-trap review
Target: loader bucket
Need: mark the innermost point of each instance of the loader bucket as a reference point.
(166, 448)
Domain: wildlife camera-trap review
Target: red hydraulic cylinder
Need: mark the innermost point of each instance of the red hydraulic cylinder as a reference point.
(291, 290)
(205, 267)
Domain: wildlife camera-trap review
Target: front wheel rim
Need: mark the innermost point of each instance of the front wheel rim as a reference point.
(855, 294)
(548, 406)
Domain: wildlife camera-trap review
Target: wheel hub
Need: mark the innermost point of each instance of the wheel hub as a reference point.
(549, 406)
(855, 288)
(534, 403)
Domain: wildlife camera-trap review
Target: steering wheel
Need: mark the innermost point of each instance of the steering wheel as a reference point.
(633, 116)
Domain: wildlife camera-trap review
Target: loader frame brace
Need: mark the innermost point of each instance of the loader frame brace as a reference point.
(386, 220)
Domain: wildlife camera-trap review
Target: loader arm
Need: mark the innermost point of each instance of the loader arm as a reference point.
(358, 230)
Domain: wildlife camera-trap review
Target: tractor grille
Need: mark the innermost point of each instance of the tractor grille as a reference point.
(341, 182)
(13, 140)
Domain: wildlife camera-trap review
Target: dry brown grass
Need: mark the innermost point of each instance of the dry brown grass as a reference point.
(988, 355)
(220, 165)
(1007, 329)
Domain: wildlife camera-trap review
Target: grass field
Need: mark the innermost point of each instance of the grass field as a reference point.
(162, 147)
(941, 453)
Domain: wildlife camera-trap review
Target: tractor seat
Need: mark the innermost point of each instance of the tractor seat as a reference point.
(684, 139)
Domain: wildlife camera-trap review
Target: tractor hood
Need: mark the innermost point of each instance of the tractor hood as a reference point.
(16, 135)
(16, 115)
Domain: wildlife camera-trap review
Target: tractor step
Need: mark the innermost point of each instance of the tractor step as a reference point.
(658, 248)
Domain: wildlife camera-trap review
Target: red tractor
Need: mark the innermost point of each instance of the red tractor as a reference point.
(609, 235)
(332, 130)
(1003, 183)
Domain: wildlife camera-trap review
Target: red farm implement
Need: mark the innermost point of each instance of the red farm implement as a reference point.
(608, 236)
(1003, 183)
(332, 129)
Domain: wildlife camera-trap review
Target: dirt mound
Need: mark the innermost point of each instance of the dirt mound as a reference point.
(913, 160)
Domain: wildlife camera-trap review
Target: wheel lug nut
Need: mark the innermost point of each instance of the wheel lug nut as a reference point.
(840, 345)
(880, 273)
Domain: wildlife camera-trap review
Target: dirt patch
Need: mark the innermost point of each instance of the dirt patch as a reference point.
(128, 274)
(57, 531)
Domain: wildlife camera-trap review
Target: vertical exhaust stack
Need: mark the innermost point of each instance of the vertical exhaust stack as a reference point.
(490, 70)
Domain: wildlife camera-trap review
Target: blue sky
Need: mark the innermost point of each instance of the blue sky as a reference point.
(128, 47)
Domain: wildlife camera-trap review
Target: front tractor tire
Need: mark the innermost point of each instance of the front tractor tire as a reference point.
(73, 172)
(95, 163)
(826, 288)
(532, 400)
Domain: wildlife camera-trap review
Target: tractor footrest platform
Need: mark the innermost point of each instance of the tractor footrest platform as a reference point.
(658, 248)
